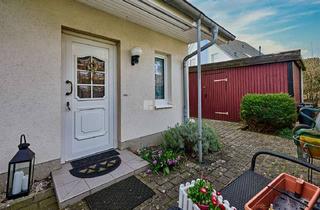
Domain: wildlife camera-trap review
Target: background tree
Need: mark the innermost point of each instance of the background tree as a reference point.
(311, 80)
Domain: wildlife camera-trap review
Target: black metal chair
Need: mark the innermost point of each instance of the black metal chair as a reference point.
(247, 185)
(309, 118)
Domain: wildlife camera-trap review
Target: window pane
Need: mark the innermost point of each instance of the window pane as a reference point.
(98, 91)
(98, 78)
(84, 77)
(84, 91)
(83, 63)
(159, 78)
(97, 64)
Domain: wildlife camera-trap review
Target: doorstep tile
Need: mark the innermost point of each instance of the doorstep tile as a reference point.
(126, 155)
(63, 178)
(71, 190)
(123, 171)
(98, 183)
(138, 164)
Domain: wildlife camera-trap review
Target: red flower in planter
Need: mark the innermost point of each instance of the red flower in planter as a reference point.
(221, 206)
(203, 190)
(218, 193)
(214, 200)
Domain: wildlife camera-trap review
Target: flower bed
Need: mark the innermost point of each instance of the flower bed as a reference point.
(188, 197)
(160, 160)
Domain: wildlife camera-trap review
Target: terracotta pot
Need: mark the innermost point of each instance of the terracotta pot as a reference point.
(203, 207)
(286, 182)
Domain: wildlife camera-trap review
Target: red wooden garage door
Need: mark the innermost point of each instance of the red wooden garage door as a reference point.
(214, 90)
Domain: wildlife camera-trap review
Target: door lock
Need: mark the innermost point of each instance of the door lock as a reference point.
(68, 106)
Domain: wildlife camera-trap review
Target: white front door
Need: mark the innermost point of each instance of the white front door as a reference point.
(88, 96)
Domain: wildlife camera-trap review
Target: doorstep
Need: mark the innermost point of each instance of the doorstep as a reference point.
(70, 189)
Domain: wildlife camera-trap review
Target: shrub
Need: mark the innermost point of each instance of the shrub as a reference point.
(285, 133)
(268, 112)
(185, 137)
(160, 160)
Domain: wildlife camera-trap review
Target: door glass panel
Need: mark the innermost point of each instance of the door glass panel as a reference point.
(98, 78)
(83, 63)
(84, 77)
(84, 91)
(98, 91)
(97, 64)
(90, 77)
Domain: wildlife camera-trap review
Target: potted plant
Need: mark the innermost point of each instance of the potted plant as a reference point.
(203, 194)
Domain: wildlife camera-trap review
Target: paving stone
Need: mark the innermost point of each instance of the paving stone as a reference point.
(173, 194)
(165, 187)
(177, 180)
(160, 180)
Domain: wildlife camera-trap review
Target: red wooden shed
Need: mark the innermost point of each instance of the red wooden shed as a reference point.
(225, 83)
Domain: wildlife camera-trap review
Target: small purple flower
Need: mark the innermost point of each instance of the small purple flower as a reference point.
(154, 162)
(148, 171)
(175, 162)
(170, 162)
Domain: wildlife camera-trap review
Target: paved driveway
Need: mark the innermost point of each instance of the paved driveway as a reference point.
(220, 168)
(224, 166)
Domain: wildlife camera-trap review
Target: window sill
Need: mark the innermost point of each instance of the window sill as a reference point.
(163, 106)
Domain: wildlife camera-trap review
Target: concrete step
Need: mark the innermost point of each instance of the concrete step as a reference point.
(70, 189)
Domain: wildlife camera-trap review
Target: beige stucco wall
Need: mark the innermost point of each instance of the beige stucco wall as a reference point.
(30, 72)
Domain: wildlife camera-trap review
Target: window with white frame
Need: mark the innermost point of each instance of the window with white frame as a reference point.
(162, 81)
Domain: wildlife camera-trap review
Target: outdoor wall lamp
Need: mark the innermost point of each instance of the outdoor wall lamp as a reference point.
(135, 54)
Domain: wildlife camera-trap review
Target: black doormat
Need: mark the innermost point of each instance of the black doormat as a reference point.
(126, 194)
(96, 165)
(94, 158)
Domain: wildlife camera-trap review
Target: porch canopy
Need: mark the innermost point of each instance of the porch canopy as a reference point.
(178, 19)
(175, 18)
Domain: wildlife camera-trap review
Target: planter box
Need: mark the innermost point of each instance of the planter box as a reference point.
(287, 183)
(186, 203)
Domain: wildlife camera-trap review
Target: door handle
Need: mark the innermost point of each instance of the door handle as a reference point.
(68, 106)
(71, 87)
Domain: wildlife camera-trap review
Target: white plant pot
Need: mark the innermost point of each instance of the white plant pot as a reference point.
(186, 203)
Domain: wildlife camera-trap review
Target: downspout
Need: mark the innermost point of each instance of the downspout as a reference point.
(186, 115)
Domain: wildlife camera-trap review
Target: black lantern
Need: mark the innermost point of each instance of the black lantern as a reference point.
(20, 171)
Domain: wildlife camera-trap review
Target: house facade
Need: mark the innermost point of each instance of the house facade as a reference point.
(69, 84)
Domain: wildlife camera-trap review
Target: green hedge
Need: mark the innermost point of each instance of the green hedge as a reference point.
(268, 112)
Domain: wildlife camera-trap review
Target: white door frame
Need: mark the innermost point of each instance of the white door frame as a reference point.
(65, 50)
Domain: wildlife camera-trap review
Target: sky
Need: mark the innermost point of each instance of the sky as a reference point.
(275, 25)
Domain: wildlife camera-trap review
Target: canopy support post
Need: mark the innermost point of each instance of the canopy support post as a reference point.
(199, 88)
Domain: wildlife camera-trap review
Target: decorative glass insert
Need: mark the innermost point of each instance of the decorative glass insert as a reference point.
(90, 77)
(98, 91)
(98, 78)
(84, 77)
(84, 91)
(159, 78)
(83, 63)
(98, 64)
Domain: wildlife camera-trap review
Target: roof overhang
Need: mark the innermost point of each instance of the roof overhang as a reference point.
(175, 18)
